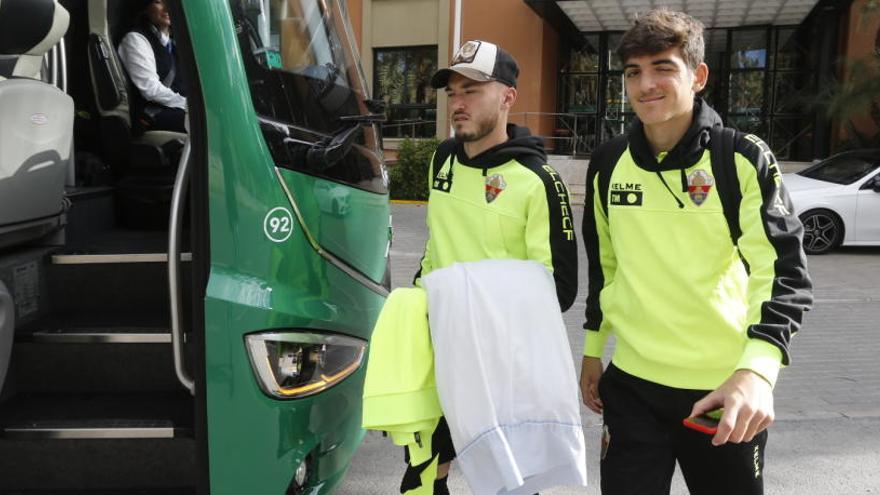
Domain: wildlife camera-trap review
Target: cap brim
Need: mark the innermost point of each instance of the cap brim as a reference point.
(441, 77)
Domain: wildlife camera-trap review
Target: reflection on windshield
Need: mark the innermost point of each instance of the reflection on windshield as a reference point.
(306, 46)
(842, 170)
(304, 74)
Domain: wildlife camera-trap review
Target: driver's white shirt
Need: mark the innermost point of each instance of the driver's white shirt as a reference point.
(136, 55)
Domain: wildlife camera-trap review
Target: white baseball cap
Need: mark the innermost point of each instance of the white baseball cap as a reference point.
(481, 61)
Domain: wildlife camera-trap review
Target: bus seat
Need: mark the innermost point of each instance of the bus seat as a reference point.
(36, 124)
(7, 65)
(30, 29)
(128, 154)
(144, 166)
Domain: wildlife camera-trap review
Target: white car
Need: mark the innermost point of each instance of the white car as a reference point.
(838, 200)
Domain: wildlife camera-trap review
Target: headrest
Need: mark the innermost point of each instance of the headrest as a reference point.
(31, 27)
(7, 66)
(112, 19)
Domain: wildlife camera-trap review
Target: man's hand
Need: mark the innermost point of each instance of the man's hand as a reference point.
(591, 373)
(748, 407)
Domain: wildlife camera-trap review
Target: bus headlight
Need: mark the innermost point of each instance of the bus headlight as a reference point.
(291, 365)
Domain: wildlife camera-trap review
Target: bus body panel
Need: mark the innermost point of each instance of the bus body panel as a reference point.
(257, 284)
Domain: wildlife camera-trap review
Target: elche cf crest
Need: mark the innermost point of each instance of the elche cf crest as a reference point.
(699, 185)
(494, 187)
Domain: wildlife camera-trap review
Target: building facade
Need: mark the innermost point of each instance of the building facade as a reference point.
(775, 66)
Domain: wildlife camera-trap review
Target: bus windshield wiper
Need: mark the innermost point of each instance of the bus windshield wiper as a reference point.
(370, 118)
(328, 152)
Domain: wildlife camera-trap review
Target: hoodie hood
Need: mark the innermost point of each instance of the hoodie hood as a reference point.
(519, 146)
(689, 149)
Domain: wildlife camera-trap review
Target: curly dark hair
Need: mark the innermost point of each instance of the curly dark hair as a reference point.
(660, 29)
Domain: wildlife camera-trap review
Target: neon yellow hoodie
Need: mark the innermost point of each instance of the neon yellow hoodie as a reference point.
(505, 203)
(687, 306)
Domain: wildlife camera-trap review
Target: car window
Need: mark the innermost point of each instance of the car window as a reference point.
(870, 183)
(841, 169)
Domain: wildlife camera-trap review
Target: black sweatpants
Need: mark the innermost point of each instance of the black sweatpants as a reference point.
(161, 119)
(645, 438)
(441, 445)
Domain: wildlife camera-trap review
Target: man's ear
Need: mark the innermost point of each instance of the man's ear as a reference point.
(508, 98)
(701, 76)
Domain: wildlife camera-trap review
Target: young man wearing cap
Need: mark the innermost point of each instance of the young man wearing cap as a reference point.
(696, 268)
(492, 193)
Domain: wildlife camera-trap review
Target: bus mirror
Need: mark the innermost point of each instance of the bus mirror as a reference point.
(376, 105)
(324, 155)
(254, 7)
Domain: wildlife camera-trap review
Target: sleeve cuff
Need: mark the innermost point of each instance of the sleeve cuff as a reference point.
(763, 358)
(594, 343)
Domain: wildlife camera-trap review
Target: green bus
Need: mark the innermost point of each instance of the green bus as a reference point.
(186, 312)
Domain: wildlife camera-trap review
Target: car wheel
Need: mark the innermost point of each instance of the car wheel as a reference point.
(823, 231)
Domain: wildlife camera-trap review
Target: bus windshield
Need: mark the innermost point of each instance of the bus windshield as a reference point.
(308, 43)
(307, 85)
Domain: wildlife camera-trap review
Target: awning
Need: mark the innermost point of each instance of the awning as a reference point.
(616, 15)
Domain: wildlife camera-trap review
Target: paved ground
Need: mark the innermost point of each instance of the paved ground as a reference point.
(827, 436)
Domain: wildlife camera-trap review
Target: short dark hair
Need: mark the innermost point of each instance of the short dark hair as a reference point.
(661, 29)
(138, 13)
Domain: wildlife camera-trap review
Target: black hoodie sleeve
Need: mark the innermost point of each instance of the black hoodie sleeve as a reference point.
(779, 285)
(601, 259)
(550, 234)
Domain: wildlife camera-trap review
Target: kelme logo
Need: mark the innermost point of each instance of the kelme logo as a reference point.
(626, 194)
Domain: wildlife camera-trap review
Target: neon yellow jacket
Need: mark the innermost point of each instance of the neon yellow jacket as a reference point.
(400, 394)
(688, 307)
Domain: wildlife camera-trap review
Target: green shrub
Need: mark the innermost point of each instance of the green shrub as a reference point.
(409, 176)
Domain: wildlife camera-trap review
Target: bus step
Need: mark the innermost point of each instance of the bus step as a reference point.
(95, 429)
(140, 466)
(121, 491)
(72, 319)
(98, 327)
(125, 243)
(115, 286)
(118, 336)
(110, 441)
(95, 351)
(97, 416)
(100, 336)
(105, 259)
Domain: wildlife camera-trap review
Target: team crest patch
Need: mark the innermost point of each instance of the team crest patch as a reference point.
(467, 53)
(494, 187)
(699, 185)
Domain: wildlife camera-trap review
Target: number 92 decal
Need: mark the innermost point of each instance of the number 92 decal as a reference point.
(278, 224)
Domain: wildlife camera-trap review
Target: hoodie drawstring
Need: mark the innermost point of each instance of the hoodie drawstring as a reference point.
(684, 181)
(680, 204)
